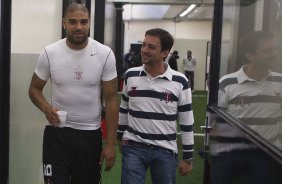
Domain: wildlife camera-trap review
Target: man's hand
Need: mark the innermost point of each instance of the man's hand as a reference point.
(185, 167)
(109, 154)
(52, 116)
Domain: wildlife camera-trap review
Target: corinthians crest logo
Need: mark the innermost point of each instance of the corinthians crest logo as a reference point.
(167, 96)
(78, 71)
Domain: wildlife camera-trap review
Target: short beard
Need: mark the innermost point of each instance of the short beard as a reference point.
(77, 42)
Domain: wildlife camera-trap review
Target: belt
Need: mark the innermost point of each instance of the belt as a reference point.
(146, 145)
(131, 142)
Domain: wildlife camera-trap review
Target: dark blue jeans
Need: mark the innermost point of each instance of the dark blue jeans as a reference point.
(138, 157)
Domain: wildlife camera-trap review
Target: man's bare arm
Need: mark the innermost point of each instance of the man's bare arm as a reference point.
(111, 112)
(36, 95)
(111, 109)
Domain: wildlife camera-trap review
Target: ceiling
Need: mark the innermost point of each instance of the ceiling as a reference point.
(142, 10)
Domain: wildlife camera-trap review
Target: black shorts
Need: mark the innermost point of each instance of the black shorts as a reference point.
(71, 156)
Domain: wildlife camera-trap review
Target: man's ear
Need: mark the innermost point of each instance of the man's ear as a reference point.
(64, 23)
(165, 53)
(249, 56)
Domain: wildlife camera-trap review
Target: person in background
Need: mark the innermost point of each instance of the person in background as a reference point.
(79, 69)
(253, 95)
(189, 64)
(154, 97)
(136, 61)
(128, 59)
(172, 61)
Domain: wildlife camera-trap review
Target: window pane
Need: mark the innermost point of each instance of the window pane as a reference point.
(250, 90)
(250, 87)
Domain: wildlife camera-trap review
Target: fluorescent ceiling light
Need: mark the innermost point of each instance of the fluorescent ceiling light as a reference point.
(189, 9)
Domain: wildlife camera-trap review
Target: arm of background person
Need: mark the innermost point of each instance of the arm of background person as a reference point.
(111, 113)
(38, 99)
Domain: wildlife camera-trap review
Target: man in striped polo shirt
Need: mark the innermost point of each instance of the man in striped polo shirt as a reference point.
(252, 95)
(154, 98)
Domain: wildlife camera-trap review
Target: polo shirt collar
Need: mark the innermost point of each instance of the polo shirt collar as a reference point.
(242, 76)
(166, 75)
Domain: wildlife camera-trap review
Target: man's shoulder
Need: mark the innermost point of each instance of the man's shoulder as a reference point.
(178, 74)
(56, 46)
(230, 75)
(99, 48)
(276, 74)
(276, 77)
(135, 69)
(57, 43)
(97, 44)
(229, 79)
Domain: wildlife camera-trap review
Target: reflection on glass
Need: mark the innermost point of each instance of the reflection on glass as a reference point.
(253, 94)
(250, 89)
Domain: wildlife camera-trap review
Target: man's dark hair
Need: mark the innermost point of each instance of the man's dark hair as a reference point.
(250, 41)
(165, 37)
(76, 6)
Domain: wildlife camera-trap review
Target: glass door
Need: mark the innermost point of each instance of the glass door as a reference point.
(244, 115)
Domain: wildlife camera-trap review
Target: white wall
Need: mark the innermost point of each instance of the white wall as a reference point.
(199, 49)
(35, 23)
(109, 35)
(135, 31)
(26, 124)
(188, 35)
